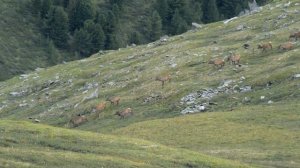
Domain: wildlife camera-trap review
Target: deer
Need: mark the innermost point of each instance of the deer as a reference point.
(234, 58)
(286, 46)
(99, 108)
(125, 113)
(114, 100)
(78, 120)
(295, 36)
(163, 79)
(217, 62)
(265, 46)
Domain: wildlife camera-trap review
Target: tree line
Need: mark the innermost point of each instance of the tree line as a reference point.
(85, 28)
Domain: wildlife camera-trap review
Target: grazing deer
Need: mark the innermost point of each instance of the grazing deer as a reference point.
(234, 58)
(295, 35)
(217, 62)
(125, 113)
(114, 100)
(100, 107)
(163, 79)
(77, 120)
(286, 46)
(265, 46)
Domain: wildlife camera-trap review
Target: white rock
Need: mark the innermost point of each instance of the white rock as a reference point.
(270, 102)
(262, 97)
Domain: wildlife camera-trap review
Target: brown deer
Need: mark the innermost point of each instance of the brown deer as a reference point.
(217, 62)
(78, 120)
(265, 46)
(125, 113)
(286, 46)
(295, 35)
(100, 107)
(114, 100)
(234, 58)
(163, 79)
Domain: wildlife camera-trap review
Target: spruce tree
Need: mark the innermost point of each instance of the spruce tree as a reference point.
(198, 13)
(178, 25)
(82, 42)
(57, 26)
(211, 12)
(156, 26)
(96, 35)
(163, 8)
(46, 5)
(36, 6)
(80, 11)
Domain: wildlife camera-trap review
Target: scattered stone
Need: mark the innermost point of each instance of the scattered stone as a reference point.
(246, 100)
(241, 27)
(23, 105)
(24, 76)
(39, 69)
(296, 76)
(287, 4)
(282, 16)
(196, 25)
(229, 20)
(194, 109)
(15, 94)
(262, 97)
(245, 89)
(36, 120)
(270, 102)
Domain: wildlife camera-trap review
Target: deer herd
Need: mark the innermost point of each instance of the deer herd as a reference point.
(233, 58)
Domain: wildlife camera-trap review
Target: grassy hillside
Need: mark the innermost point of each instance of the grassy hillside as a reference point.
(33, 145)
(258, 127)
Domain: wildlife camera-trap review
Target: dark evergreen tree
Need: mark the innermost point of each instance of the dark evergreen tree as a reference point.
(197, 14)
(80, 11)
(111, 30)
(156, 26)
(56, 26)
(211, 12)
(82, 41)
(96, 34)
(162, 7)
(46, 5)
(136, 38)
(178, 25)
(36, 6)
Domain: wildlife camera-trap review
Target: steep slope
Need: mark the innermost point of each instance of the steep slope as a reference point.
(25, 144)
(56, 94)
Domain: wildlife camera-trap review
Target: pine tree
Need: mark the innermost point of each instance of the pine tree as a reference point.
(178, 25)
(156, 26)
(82, 41)
(211, 12)
(80, 11)
(111, 30)
(46, 5)
(162, 7)
(136, 38)
(198, 13)
(96, 34)
(36, 6)
(57, 26)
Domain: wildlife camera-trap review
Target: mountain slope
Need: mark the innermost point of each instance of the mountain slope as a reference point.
(37, 145)
(54, 95)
